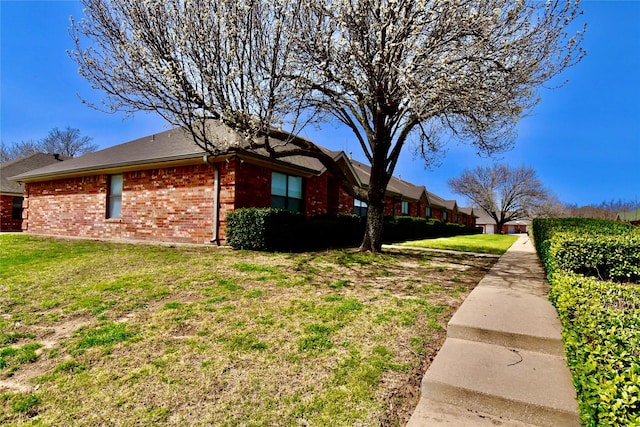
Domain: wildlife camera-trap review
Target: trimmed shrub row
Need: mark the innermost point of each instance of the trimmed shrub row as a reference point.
(601, 335)
(402, 228)
(270, 229)
(576, 245)
(267, 229)
(601, 319)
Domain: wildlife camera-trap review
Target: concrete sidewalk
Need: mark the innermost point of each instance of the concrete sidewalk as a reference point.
(502, 362)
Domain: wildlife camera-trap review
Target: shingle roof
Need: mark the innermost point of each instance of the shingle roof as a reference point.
(396, 185)
(483, 217)
(435, 200)
(167, 146)
(468, 211)
(24, 165)
(176, 145)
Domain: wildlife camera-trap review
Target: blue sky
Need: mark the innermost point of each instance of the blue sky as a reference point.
(582, 139)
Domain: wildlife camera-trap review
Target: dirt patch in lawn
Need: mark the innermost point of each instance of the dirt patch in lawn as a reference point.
(187, 336)
(47, 338)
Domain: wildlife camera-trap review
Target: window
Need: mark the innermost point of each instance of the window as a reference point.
(445, 215)
(428, 213)
(16, 210)
(404, 208)
(360, 207)
(114, 198)
(286, 191)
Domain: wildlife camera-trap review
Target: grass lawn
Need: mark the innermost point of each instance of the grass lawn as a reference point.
(481, 243)
(95, 333)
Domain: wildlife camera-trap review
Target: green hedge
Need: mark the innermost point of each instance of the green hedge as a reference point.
(601, 319)
(615, 258)
(333, 231)
(403, 228)
(263, 229)
(601, 336)
(608, 250)
(266, 229)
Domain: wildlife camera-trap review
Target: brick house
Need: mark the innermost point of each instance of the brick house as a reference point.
(165, 188)
(11, 193)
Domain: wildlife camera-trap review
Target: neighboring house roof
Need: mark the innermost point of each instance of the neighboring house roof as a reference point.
(631, 216)
(483, 218)
(21, 166)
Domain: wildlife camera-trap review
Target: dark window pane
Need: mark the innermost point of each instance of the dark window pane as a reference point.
(294, 205)
(278, 202)
(16, 211)
(295, 187)
(278, 184)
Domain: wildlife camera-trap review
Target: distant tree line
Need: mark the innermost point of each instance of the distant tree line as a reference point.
(604, 210)
(67, 142)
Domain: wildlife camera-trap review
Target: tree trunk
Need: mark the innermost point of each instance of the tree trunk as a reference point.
(378, 180)
(372, 241)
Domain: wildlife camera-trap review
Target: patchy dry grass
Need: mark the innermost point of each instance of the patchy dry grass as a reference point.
(100, 333)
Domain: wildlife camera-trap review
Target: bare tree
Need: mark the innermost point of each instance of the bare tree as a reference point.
(505, 193)
(67, 142)
(17, 150)
(393, 71)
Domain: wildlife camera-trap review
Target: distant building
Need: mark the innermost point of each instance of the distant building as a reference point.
(488, 224)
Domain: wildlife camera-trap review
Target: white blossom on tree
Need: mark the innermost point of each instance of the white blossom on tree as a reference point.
(393, 71)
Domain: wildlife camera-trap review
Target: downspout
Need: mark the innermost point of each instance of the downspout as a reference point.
(215, 238)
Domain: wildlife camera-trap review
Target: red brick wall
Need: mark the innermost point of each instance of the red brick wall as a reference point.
(253, 185)
(345, 203)
(227, 192)
(7, 223)
(436, 213)
(73, 207)
(391, 206)
(316, 195)
(172, 204)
